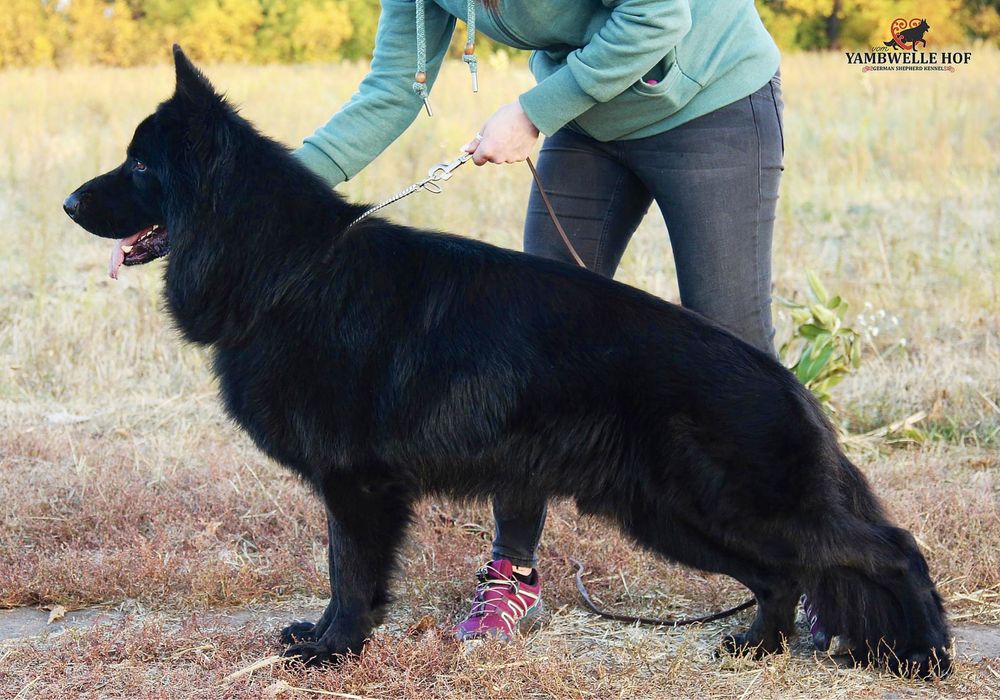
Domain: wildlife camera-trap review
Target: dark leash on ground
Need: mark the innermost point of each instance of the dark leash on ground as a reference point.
(589, 603)
(443, 171)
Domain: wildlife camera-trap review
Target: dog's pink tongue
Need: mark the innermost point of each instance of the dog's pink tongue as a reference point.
(118, 255)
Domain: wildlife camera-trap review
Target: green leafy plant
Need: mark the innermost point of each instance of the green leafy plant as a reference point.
(822, 350)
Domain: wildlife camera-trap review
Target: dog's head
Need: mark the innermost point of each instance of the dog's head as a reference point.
(132, 201)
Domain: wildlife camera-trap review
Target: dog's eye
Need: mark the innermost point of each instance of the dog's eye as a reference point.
(139, 166)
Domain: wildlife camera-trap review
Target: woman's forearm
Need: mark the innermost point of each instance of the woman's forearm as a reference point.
(385, 104)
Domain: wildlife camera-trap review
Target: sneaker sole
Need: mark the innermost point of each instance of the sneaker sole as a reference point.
(532, 619)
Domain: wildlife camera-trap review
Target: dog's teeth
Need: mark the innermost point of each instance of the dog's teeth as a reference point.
(127, 249)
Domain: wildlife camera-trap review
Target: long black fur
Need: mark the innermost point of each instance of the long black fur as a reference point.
(382, 363)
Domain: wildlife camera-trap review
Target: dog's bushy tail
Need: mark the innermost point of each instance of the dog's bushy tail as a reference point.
(878, 593)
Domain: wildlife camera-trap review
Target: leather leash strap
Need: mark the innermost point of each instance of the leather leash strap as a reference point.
(552, 215)
(654, 621)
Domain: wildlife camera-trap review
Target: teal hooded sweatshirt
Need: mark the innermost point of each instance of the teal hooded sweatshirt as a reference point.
(611, 69)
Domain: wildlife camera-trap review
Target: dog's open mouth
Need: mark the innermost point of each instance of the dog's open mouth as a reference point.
(140, 248)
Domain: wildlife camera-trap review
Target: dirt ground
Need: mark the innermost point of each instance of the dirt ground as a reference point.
(972, 642)
(178, 574)
(26, 633)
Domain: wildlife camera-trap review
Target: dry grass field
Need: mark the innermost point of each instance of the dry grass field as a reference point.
(124, 488)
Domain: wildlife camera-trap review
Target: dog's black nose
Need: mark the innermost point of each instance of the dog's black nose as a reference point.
(72, 205)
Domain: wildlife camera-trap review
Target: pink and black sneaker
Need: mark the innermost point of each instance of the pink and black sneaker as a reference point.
(503, 603)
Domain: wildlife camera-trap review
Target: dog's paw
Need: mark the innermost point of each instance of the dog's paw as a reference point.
(299, 631)
(927, 664)
(313, 654)
(740, 644)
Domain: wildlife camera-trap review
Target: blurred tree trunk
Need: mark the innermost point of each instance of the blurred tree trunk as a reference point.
(833, 24)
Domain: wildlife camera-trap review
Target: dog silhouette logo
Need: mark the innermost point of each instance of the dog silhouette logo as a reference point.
(907, 34)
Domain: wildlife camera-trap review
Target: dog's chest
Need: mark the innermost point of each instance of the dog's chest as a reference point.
(290, 407)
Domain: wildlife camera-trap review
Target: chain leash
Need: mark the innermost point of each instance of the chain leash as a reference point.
(438, 173)
(442, 171)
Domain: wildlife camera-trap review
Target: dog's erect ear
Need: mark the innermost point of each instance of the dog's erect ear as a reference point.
(197, 107)
(192, 85)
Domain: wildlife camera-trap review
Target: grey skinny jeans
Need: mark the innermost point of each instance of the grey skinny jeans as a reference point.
(715, 180)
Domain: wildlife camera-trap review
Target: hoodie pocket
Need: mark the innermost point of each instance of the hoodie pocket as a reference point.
(666, 77)
(659, 94)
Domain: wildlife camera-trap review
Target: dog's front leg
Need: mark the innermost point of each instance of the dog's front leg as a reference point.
(302, 630)
(365, 526)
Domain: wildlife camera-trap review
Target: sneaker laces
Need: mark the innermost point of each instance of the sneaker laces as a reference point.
(489, 578)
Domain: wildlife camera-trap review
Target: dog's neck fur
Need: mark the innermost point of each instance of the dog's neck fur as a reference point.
(220, 252)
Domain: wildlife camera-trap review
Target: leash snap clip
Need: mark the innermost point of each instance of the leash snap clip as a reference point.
(445, 169)
(437, 174)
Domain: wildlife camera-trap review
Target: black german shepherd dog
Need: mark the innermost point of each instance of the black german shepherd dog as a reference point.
(381, 363)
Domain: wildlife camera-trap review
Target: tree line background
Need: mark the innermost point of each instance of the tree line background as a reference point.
(133, 32)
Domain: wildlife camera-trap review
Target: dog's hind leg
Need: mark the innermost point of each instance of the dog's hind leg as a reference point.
(774, 624)
(777, 592)
(366, 527)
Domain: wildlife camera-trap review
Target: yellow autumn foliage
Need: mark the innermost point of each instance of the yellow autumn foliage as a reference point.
(320, 30)
(223, 30)
(104, 32)
(129, 32)
(27, 34)
(812, 24)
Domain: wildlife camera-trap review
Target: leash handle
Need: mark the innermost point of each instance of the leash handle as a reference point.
(552, 215)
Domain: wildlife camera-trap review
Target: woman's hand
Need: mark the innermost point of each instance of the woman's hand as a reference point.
(507, 137)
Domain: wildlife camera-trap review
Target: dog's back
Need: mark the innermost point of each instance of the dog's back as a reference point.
(460, 342)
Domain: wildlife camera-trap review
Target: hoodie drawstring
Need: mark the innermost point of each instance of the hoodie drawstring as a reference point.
(470, 45)
(469, 55)
(420, 77)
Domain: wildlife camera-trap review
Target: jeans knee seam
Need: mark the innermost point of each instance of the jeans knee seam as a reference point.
(602, 244)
